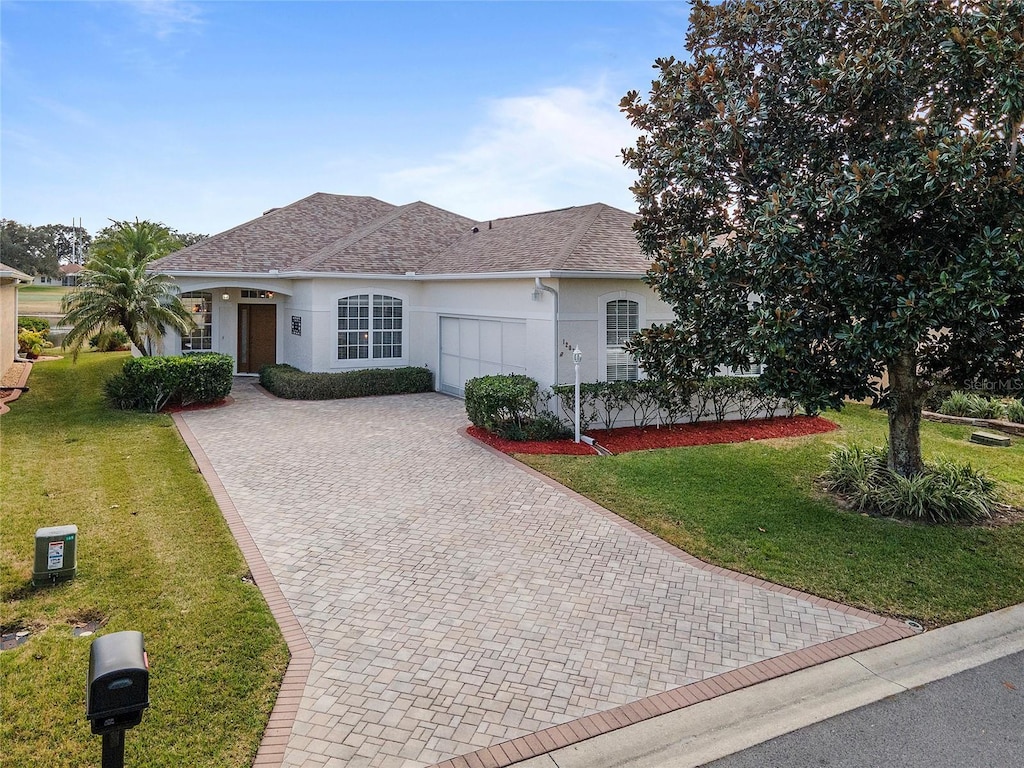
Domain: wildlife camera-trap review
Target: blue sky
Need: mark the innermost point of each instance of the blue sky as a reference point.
(204, 114)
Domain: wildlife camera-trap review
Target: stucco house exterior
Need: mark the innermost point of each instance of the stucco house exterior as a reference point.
(10, 279)
(337, 282)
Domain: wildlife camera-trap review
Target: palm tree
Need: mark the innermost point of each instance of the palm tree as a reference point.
(115, 290)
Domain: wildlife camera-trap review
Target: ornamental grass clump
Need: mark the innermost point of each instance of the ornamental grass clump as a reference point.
(946, 492)
(973, 406)
(1015, 411)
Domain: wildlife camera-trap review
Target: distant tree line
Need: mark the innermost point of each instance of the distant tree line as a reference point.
(40, 251)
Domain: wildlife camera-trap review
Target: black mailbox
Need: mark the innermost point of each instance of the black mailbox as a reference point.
(118, 687)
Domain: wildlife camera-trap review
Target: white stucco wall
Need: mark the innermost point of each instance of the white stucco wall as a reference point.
(582, 321)
(314, 301)
(8, 323)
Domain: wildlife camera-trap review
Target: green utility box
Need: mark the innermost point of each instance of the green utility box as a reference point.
(56, 555)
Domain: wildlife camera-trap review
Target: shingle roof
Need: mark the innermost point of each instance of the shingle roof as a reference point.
(395, 244)
(280, 237)
(589, 238)
(339, 234)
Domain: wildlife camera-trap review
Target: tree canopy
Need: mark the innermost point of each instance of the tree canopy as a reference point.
(41, 250)
(833, 189)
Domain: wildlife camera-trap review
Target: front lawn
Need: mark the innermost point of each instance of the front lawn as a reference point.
(753, 507)
(41, 299)
(154, 554)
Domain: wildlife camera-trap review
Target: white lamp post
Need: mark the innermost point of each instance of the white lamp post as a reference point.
(577, 356)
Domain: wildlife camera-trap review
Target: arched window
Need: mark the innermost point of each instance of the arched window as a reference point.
(622, 320)
(369, 327)
(200, 305)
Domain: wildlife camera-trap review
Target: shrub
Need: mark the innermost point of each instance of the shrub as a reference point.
(501, 402)
(290, 383)
(114, 340)
(946, 492)
(972, 405)
(32, 343)
(719, 396)
(591, 402)
(1015, 411)
(37, 324)
(543, 426)
(151, 383)
(958, 403)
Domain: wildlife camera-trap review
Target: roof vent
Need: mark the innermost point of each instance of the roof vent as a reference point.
(475, 230)
(490, 225)
(271, 210)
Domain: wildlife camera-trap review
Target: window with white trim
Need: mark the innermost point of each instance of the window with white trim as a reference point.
(369, 327)
(200, 306)
(622, 321)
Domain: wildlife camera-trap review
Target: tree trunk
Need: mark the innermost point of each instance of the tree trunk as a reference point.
(906, 398)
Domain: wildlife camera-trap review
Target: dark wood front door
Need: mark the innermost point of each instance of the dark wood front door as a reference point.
(257, 336)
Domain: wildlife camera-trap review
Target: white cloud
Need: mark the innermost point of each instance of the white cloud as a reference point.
(163, 18)
(558, 148)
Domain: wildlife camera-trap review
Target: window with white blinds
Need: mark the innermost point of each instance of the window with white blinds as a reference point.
(622, 320)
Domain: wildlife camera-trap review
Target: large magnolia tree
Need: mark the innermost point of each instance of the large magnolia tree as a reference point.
(834, 189)
(115, 290)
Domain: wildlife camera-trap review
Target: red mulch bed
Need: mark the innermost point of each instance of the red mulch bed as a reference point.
(628, 439)
(564, 447)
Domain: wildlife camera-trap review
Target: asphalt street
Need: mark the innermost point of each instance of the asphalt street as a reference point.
(974, 719)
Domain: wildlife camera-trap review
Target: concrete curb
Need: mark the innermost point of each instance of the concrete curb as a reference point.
(713, 729)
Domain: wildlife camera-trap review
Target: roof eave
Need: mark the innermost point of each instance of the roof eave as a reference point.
(413, 276)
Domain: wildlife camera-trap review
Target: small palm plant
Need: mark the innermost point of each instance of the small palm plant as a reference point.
(116, 291)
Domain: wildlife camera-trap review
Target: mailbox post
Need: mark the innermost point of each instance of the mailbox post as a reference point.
(117, 690)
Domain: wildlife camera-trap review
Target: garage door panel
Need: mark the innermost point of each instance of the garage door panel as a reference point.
(490, 342)
(449, 335)
(469, 369)
(472, 347)
(450, 374)
(469, 338)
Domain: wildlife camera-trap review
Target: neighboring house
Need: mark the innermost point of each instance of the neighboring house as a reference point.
(10, 279)
(69, 274)
(335, 283)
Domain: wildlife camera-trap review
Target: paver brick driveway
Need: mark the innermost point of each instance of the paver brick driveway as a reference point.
(455, 600)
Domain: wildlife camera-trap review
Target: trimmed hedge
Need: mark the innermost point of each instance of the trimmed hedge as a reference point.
(151, 383)
(34, 324)
(648, 400)
(292, 384)
(507, 406)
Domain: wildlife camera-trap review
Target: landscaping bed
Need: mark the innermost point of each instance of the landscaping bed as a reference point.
(628, 439)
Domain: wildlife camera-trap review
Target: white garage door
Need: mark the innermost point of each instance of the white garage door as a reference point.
(473, 347)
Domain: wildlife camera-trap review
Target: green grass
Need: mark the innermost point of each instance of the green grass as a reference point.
(154, 554)
(754, 508)
(41, 299)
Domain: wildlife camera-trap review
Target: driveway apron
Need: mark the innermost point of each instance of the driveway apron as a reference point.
(457, 602)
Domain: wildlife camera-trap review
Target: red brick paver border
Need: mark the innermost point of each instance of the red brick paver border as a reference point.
(286, 707)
